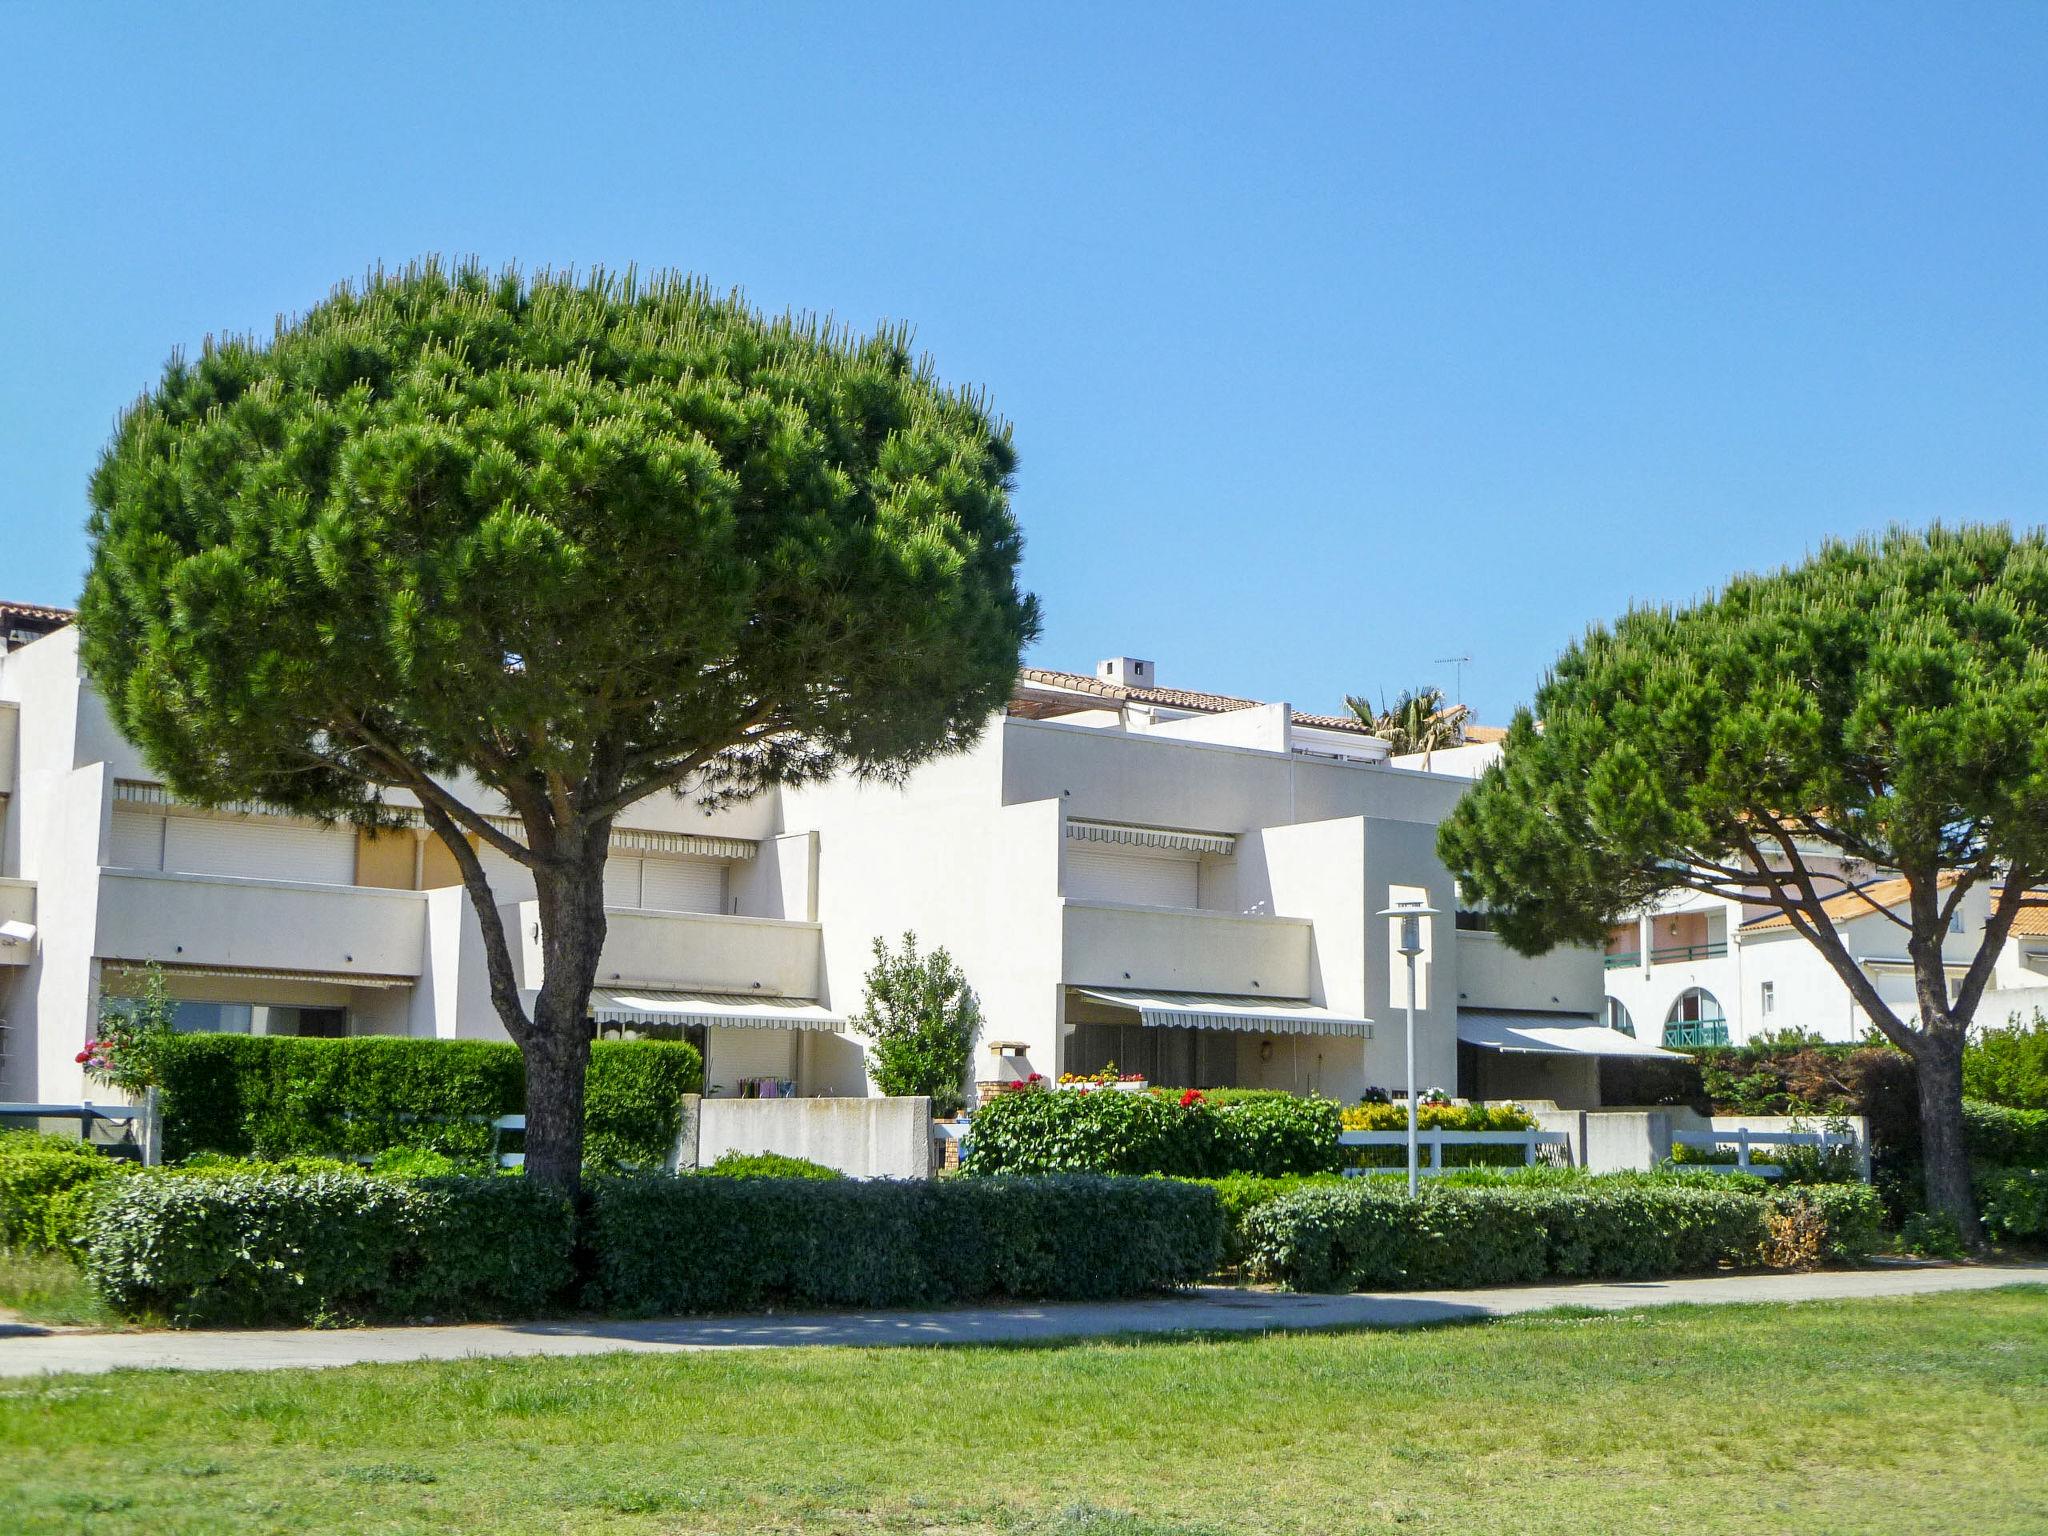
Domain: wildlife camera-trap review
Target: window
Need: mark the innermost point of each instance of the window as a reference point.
(1767, 996)
(1955, 921)
(1695, 1005)
(1474, 922)
(1618, 1019)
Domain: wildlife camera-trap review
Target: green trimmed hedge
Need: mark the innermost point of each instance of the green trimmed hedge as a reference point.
(286, 1248)
(275, 1095)
(1371, 1234)
(42, 1180)
(693, 1245)
(1105, 1131)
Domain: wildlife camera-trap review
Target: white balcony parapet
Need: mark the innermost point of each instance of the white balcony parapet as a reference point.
(343, 934)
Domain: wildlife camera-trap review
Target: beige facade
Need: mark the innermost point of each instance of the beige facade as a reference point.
(1183, 885)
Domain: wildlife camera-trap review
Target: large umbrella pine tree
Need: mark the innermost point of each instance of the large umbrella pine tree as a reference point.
(511, 554)
(1882, 707)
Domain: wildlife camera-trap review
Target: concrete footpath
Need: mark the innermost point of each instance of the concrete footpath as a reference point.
(29, 1350)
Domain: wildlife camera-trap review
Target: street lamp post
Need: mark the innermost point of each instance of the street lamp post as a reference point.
(1410, 933)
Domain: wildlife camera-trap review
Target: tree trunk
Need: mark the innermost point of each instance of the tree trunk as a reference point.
(558, 1048)
(1945, 1159)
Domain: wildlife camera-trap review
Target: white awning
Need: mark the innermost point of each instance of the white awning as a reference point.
(709, 1010)
(258, 973)
(1246, 1015)
(1553, 1034)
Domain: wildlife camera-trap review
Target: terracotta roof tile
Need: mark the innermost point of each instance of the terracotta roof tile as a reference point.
(1863, 901)
(2032, 922)
(1172, 698)
(35, 611)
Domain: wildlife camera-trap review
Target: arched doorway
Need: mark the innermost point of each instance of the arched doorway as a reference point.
(1695, 1020)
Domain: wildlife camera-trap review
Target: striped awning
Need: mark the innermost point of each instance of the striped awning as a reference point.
(261, 973)
(1228, 1011)
(709, 1010)
(1129, 835)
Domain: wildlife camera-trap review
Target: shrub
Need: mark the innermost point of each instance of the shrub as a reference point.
(1371, 1233)
(416, 1163)
(37, 1176)
(769, 1165)
(273, 1095)
(2014, 1202)
(1933, 1236)
(1141, 1133)
(1242, 1193)
(922, 1018)
(2008, 1064)
(691, 1245)
(1999, 1137)
(290, 1248)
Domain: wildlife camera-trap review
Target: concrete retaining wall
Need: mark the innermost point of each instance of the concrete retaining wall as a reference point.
(866, 1138)
(1635, 1140)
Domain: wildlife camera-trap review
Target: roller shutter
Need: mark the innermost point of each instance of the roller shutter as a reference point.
(682, 885)
(1142, 879)
(137, 841)
(260, 850)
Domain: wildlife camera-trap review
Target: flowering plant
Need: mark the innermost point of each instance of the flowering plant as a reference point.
(1029, 1084)
(1102, 1079)
(123, 1054)
(1193, 1099)
(1434, 1096)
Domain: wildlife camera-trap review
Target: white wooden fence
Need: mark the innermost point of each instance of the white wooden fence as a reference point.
(1532, 1144)
(1744, 1139)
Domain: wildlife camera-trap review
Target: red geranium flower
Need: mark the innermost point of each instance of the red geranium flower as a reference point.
(1191, 1098)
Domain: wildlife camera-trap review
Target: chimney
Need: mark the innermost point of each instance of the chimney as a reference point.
(1126, 671)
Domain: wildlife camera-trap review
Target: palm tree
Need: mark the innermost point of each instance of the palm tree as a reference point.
(1419, 721)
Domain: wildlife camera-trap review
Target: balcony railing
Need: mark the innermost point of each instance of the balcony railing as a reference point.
(1697, 1035)
(1667, 953)
(1620, 962)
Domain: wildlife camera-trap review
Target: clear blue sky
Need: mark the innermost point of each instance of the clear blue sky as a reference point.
(1337, 340)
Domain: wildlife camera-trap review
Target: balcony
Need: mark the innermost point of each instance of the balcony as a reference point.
(1560, 980)
(1668, 954)
(17, 905)
(708, 951)
(272, 925)
(1622, 962)
(1697, 1035)
(1182, 949)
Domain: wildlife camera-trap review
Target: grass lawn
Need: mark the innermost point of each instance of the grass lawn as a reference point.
(1916, 1414)
(47, 1288)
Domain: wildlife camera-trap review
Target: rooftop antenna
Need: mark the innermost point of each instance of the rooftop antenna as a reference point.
(1458, 683)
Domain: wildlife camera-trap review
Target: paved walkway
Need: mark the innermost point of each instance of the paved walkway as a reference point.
(27, 1350)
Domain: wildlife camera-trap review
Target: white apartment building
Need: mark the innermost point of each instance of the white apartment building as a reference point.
(1702, 970)
(1181, 883)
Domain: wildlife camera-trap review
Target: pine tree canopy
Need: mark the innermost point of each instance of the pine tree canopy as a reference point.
(578, 539)
(1883, 702)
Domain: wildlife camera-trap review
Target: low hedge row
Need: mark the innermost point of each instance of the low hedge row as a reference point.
(213, 1246)
(1105, 1131)
(275, 1095)
(690, 1245)
(296, 1248)
(1371, 1234)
